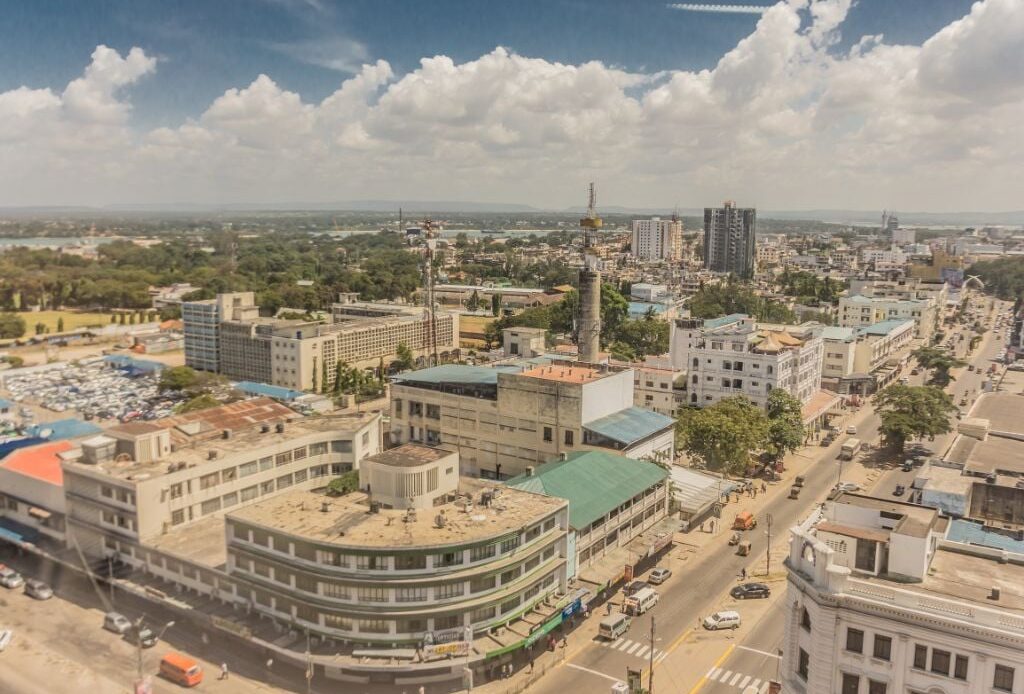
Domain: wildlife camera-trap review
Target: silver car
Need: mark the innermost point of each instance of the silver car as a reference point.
(35, 588)
(9, 578)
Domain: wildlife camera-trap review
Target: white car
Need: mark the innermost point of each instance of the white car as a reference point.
(847, 487)
(727, 619)
(851, 430)
(116, 622)
(659, 575)
(9, 578)
(5, 638)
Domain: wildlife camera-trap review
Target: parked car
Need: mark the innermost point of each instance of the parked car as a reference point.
(145, 636)
(900, 489)
(116, 622)
(635, 586)
(34, 588)
(745, 591)
(847, 487)
(9, 578)
(727, 619)
(851, 430)
(5, 638)
(659, 575)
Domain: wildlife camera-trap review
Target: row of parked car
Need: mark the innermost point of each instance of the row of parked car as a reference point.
(34, 588)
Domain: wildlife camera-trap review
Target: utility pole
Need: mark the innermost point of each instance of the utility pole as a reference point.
(768, 554)
(650, 663)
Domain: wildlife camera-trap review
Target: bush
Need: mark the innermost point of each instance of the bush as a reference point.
(347, 483)
(11, 325)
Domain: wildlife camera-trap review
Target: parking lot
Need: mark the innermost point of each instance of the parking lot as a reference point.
(92, 390)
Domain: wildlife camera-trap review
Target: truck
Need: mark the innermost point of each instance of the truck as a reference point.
(849, 449)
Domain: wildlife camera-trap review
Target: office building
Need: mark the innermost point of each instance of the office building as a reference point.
(881, 600)
(202, 319)
(858, 311)
(865, 359)
(657, 239)
(729, 233)
(505, 418)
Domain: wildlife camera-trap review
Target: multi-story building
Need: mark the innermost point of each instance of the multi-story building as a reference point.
(658, 387)
(729, 233)
(245, 347)
(139, 481)
(862, 360)
(876, 256)
(202, 319)
(879, 601)
(524, 342)
(768, 255)
(657, 239)
(860, 311)
(443, 560)
(734, 356)
(901, 236)
(505, 418)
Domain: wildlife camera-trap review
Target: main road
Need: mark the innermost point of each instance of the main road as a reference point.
(700, 589)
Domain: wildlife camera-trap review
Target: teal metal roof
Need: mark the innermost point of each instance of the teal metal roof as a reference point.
(830, 332)
(458, 374)
(593, 482)
(630, 425)
(724, 320)
(885, 327)
(271, 391)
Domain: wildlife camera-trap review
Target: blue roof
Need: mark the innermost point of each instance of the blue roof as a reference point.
(972, 533)
(124, 361)
(724, 320)
(885, 327)
(69, 428)
(276, 392)
(15, 444)
(6, 404)
(630, 425)
(639, 308)
(458, 373)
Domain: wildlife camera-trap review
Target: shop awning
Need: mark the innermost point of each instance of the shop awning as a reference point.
(18, 533)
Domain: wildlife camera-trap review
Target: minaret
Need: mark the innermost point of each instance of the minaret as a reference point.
(589, 336)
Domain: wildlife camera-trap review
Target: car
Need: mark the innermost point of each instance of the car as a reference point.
(900, 489)
(847, 487)
(9, 578)
(635, 586)
(34, 588)
(851, 430)
(726, 619)
(659, 575)
(116, 622)
(907, 466)
(745, 591)
(5, 638)
(145, 636)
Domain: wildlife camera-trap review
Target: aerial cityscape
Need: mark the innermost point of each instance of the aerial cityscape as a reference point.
(548, 347)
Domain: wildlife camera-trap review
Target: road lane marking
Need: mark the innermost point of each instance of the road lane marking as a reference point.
(735, 679)
(744, 682)
(617, 642)
(592, 672)
(756, 684)
(642, 653)
(636, 645)
(624, 645)
(713, 673)
(754, 650)
(697, 687)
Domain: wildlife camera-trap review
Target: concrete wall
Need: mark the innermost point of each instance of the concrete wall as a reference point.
(608, 395)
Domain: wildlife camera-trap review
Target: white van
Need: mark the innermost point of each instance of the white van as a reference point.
(641, 601)
(613, 626)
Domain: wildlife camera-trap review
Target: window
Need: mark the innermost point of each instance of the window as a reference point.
(211, 506)
(1003, 678)
(920, 657)
(177, 517)
(478, 585)
(230, 499)
(547, 434)
(176, 490)
(365, 439)
(448, 559)
(373, 626)
(803, 664)
(409, 562)
(301, 476)
(480, 553)
(318, 448)
(449, 590)
(940, 662)
(211, 480)
(341, 446)
(433, 411)
(267, 487)
(569, 438)
(876, 687)
(883, 648)
(854, 640)
(246, 469)
(373, 594)
(411, 594)
(299, 453)
(370, 562)
(805, 620)
(960, 667)
(250, 493)
(266, 463)
(510, 544)
(851, 684)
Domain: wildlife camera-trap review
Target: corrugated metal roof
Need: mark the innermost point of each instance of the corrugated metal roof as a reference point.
(885, 327)
(70, 428)
(271, 391)
(630, 425)
(40, 462)
(830, 332)
(593, 482)
(724, 320)
(694, 491)
(457, 373)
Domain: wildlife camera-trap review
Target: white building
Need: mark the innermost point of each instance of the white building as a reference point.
(861, 360)
(657, 238)
(878, 602)
(859, 311)
(874, 256)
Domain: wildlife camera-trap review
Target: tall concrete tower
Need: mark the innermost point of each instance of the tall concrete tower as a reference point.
(589, 335)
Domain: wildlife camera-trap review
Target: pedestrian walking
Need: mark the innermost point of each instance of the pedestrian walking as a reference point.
(743, 573)
(223, 671)
(764, 487)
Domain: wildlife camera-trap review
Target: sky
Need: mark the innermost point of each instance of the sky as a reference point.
(801, 104)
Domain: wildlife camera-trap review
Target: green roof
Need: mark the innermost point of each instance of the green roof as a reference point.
(593, 482)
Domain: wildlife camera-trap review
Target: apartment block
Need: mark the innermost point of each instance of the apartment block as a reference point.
(880, 600)
(729, 233)
(657, 239)
(505, 418)
(860, 311)
(863, 360)
(202, 319)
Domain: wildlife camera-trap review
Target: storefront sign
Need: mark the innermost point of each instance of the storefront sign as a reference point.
(446, 650)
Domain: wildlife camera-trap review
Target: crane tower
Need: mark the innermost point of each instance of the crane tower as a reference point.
(589, 334)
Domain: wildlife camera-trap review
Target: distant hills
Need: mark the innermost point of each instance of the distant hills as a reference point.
(414, 207)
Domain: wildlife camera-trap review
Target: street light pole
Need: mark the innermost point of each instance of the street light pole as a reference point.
(650, 662)
(768, 553)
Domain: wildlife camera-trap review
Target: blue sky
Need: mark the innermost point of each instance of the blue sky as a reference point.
(205, 47)
(852, 104)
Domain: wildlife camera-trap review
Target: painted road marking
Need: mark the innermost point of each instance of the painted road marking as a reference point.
(592, 672)
(637, 649)
(754, 650)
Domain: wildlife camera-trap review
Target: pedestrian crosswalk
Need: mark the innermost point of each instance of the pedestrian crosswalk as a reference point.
(730, 678)
(635, 648)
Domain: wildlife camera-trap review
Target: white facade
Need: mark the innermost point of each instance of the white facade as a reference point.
(902, 236)
(656, 238)
(859, 311)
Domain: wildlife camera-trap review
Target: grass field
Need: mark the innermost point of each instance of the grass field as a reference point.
(72, 320)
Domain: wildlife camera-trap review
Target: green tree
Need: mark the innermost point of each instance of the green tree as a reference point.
(785, 424)
(346, 483)
(912, 412)
(113, 318)
(938, 362)
(496, 304)
(404, 359)
(11, 326)
(178, 378)
(60, 324)
(123, 319)
(40, 328)
(323, 378)
(723, 437)
(473, 302)
(199, 402)
(339, 375)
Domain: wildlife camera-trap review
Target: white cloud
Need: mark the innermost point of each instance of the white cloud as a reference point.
(781, 121)
(334, 53)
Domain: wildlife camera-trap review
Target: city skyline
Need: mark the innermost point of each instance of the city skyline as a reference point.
(827, 104)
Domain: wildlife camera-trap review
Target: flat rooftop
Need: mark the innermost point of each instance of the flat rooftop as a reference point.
(1002, 410)
(348, 521)
(409, 455)
(917, 520)
(577, 373)
(252, 439)
(972, 577)
(201, 542)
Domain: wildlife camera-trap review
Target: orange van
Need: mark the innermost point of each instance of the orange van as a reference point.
(181, 669)
(744, 521)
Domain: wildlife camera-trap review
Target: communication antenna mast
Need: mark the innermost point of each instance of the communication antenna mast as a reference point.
(430, 244)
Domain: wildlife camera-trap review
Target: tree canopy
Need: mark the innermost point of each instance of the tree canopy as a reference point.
(712, 301)
(1003, 277)
(722, 437)
(785, 424)
(11, 325)
(938, 362)
(909, 412)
